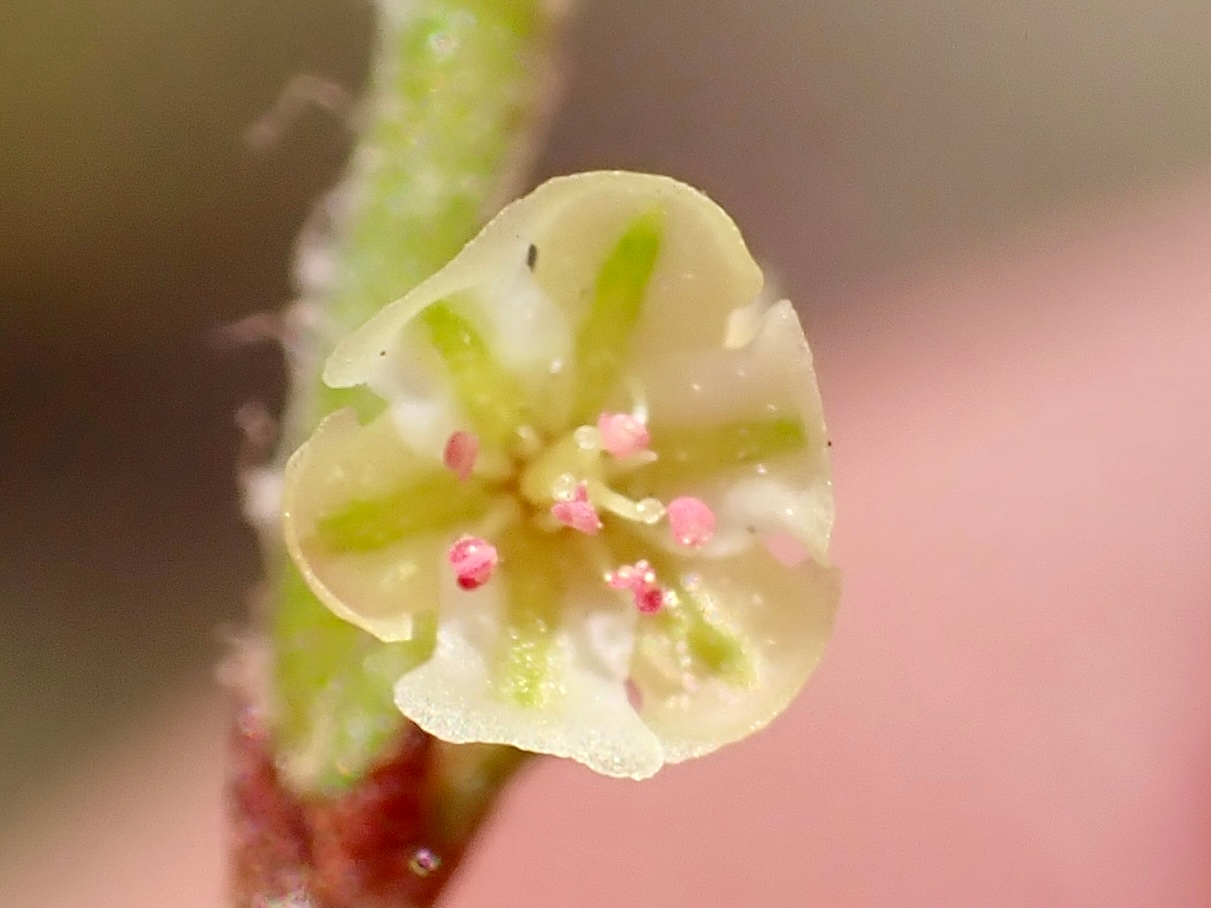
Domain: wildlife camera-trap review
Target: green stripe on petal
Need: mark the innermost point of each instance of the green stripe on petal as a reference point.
(527, 664)
(700, 451)
(490, 394)
(603, 340)
(714, 650)
(534, 592)
(783, 618)
(718, 651)
(431, 504)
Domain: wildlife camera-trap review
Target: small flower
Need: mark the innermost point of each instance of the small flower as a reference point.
(602, 463)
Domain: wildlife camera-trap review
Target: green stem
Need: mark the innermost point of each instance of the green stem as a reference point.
(333, 792)
(456, 89)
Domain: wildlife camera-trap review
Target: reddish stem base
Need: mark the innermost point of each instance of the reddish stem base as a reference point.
(368, 847)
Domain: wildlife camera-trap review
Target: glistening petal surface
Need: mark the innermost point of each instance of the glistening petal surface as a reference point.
(598, 297)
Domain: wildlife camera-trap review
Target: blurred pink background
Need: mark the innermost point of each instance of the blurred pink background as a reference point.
(1015, 710)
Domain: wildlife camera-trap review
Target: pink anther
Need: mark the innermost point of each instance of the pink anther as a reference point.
(462, 449)
(692, 522)
(578, 512)
(629, 576)
(622, 434)
(640, 581)
(473, 559)
(649, 600)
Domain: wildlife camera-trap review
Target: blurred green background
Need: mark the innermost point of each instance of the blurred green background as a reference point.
(847, 138)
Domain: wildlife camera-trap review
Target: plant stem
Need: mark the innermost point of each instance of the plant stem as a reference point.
(335, 798)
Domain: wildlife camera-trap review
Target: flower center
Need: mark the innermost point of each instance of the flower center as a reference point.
(572, 480)
(570, 484)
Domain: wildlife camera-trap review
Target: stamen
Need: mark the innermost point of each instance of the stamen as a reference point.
(462, 449)
(622, 434)
(630, 575)
(640, 581)
(649, 511)
(473, 559)
(578, 512)
(692, 522)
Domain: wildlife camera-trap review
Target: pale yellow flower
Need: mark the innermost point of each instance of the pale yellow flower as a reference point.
(599, 482)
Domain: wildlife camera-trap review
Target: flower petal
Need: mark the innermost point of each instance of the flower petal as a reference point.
(596, 295)
(743, 429)
(760, 507)
(770, 374)
(531, 334)
(421, 403)
(701, 273)
(585, 714)
(757, 635)
(365, 521)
